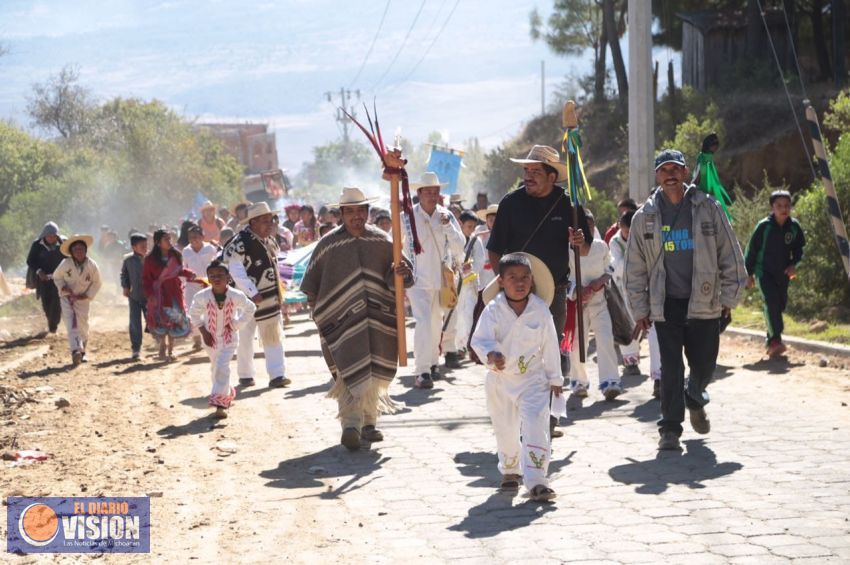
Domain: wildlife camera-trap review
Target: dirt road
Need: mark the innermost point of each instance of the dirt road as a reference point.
(269, 482)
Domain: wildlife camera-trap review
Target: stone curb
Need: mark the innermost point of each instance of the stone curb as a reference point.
(798, 342)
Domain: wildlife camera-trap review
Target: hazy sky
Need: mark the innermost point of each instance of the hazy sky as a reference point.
(272, 61)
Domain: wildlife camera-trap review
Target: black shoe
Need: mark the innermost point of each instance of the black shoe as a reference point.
(699, 420)
(371, 434)
(669, 441)
(246, 382)
(279, 382)
(452, 360)
(435, 373)
(656, 389)
(350, 439)
(424, 381)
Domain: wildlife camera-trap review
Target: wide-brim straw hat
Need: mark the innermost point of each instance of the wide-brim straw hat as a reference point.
(491, 209)
(257, 210)
(352, 196)
(544, 284)
(65, 248)
(547, 156)
(455, 198)
(428, 179)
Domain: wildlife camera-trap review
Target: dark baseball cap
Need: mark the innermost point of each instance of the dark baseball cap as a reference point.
(669, 156)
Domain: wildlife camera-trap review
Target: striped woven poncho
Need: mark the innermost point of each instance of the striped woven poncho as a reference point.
(349, 281)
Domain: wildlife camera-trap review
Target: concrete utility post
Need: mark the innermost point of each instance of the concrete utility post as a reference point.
(641, 101)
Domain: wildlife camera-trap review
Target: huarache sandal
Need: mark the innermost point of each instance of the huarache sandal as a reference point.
(220, 413)
(541, 493)
(509, 482)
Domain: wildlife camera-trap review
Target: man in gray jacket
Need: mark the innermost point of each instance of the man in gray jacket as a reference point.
(684, 270)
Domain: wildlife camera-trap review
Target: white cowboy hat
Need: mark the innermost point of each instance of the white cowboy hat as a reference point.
(352, 196)
(544, 284)
(491, 209)
(428, 179)
(65, 248)
(257, 210)
(547, 156)
(455, 198)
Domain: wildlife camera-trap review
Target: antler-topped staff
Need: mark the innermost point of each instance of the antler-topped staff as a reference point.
(394, 172)
(577, 190)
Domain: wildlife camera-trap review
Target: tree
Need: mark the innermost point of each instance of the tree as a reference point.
(60, 105)
(613, 35)
(24, 163)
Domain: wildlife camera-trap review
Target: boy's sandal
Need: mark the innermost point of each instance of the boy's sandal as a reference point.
(509, 482)
(541, 493)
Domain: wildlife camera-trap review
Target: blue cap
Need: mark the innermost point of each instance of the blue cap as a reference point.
(669, 156)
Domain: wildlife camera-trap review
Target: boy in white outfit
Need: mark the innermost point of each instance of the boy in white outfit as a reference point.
(631, 352)
(196, 257)
(516, 335)
(596, 272)
(471, 272)
(78, 280)
(218, 312)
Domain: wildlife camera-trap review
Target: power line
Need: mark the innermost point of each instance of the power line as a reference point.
(433, 41)
(787, 92)
(401, 48)
(372, 46)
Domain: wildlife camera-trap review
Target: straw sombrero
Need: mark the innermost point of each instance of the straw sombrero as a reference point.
(257, 210)
(491, 209)
(352, 196)
(544, 284)
(65, 248)
(428, 179)
(547, 156)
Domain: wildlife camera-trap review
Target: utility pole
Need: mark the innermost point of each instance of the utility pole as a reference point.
(344, 102)
(641, 101)
(542, 88)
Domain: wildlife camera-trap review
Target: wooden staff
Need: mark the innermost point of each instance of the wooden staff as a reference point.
(569, 121)
(393, 159)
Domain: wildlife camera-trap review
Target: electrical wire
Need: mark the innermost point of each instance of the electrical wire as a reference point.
(433, 41)
(401, 48)
(372, 46)
(787, 92)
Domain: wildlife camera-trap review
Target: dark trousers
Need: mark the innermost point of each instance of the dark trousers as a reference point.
(700, 341)
(137, 313)
(774, 294)
(49, 295)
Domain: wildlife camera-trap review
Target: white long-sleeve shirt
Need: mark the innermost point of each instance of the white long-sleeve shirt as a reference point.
(237, 310)
(198, 261)
(528, 341)
(447, 242)
(593, 265)
(477, 256)
(618, 258)
(77, 279)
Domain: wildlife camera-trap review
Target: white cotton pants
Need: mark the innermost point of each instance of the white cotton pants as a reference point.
(519, 410)
(353, 415)
(596, 318)
(631, 353)
(428, 314)
(76, 318)
(220, 358)
(464, 312)
(271, 336)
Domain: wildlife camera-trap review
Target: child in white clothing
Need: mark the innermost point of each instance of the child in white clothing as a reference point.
(218, 312)
(516, 336)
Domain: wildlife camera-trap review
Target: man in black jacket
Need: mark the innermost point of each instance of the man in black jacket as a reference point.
(43, 258)
(537, 218)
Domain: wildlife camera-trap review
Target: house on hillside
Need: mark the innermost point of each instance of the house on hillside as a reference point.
(713, 42)
(256, 150)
